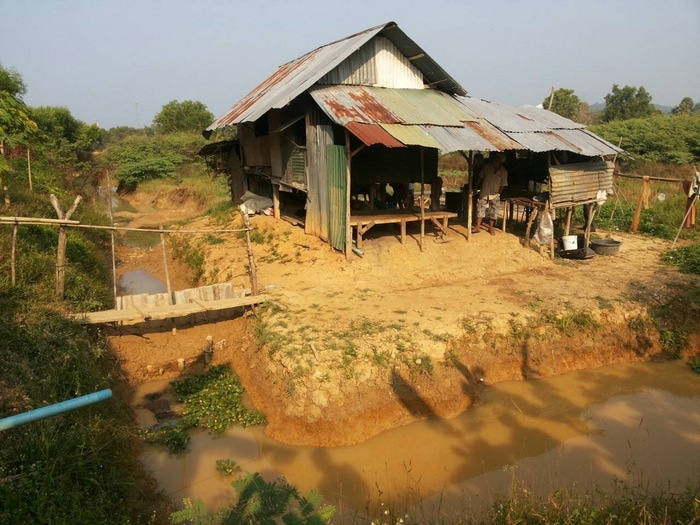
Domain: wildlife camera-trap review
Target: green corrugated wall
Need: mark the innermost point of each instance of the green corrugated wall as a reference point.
(336, 164)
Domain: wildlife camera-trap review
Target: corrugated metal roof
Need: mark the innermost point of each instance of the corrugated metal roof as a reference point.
(442, 118)
(293, 78)
(371, 105)
(371, 134)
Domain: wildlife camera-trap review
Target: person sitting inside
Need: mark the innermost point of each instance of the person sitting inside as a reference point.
(494, 178)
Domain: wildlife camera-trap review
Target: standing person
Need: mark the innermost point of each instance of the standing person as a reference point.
(494, 178)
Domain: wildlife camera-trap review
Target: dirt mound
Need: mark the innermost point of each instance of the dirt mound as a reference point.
(353, 346)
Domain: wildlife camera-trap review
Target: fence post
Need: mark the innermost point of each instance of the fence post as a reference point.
(62, 242)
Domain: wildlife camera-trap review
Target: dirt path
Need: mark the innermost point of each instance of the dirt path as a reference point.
(355, 346)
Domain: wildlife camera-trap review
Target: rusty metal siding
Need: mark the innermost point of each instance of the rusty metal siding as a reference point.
(336, 161)
(371, 134)
(581, 182)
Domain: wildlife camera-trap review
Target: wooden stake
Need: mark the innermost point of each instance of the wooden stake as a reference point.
(14, 254)
(551, 100)
(251, 261)
(165, 263)
(29, 169)
(111, 234)
(62, 243)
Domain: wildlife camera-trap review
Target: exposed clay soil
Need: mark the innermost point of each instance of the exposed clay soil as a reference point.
(356, 346)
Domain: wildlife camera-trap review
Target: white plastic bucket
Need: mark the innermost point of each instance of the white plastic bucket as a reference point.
(569, 242)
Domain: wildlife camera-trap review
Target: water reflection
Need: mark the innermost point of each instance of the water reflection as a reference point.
(639, 423)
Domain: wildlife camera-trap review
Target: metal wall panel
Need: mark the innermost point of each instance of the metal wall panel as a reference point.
(336, 162)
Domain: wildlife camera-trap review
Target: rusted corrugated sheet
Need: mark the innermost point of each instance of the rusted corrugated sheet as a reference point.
(370, 105)
(371, 134)
(292, 79)
(411, 135)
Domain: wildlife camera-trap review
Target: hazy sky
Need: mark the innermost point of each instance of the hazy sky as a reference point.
(117, 62)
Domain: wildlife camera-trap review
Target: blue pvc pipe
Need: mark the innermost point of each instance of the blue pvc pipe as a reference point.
(54, 410)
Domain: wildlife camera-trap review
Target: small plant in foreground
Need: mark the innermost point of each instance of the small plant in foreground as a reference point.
(260, 501)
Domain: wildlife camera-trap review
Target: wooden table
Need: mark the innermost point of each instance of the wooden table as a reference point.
(363, 222)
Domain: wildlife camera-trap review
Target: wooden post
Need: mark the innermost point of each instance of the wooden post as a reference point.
(111, 234)
(14, 254)
(29, 169)
(348, 228)
(251, 261)
(62, 243)
(643, 197)
(567, 224)
(551, 100)
(591, 215)
(7, 197)
(165, 263)
(276, 200)
(470, 195)
(422, 200)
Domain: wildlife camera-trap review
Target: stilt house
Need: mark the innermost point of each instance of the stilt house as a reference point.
(373, 109)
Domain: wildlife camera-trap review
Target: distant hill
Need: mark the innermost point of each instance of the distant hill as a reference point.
(600, 106)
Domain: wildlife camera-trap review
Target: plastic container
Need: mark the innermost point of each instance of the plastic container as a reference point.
(605, 246)
(569, 242)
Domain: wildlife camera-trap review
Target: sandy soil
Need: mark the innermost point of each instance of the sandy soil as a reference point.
(351, 347)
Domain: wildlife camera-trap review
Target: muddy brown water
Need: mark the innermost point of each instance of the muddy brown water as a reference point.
(634, 423)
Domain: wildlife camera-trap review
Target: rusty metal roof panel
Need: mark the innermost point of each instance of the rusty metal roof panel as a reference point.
(371, 134)
(293, 78)
(411, 135)
(366, 104)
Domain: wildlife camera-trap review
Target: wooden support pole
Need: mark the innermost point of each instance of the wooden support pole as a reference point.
(422, 200)
(276, 200)
(165, 264)
(348, 228)
(252, 272)
(62, 243)
(14, 254)
(29, 169)
(111, 234)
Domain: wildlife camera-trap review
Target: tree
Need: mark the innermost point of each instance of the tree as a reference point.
(11, 82)
(564, 103)
(188, 116)
(16, 126)
(686, 107)
(627, 102)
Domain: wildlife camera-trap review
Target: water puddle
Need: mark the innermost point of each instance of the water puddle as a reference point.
(138, 282)
(639, 423)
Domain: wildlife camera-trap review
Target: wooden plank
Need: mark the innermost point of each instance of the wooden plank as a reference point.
(165, 312)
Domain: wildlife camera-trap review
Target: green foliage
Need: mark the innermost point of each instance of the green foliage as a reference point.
(627, 102)
(686, 107)
(694, 365)
(140, 157)
(564, 103)
(49, 469)
(686, 258)
(260, 502)
(190, 253)
(213, 400)
(671, 140)
(263, 502)
(189, 116)
(11, 82)
(227, 467)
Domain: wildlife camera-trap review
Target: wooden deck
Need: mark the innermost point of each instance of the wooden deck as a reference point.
(362, 222)
(140, 315)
